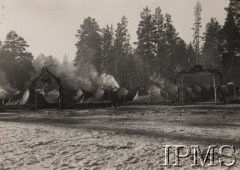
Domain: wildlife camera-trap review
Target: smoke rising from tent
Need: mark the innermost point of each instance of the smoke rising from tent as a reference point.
(3, 83)
(158, 79)
(166, 85)
(108, 81)
(5, 87)
(85, 77)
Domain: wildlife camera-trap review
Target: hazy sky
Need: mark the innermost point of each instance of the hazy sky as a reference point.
(49, 26)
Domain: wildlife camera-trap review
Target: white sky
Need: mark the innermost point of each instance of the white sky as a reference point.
(49, 26)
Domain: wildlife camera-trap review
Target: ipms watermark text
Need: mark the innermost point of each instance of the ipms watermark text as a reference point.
(213, 155)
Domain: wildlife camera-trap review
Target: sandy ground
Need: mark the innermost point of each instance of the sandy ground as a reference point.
(113, 138)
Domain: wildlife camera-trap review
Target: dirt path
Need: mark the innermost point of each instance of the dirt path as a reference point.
(111, 139)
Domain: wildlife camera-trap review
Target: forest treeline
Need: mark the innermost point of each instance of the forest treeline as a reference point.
(156, 57)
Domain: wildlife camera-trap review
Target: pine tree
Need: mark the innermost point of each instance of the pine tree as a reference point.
(231, 48)
(181, 55)
(107, 48)
(89, 44)
(122, 51)
(144, 32)
(158, 38)
(39, 62)
(235, 8)
(145, 46)
(190, 56)
(132, 74)
(211, 47)
(197, 27)
(170, 38)
(16, 61)
(14, 43)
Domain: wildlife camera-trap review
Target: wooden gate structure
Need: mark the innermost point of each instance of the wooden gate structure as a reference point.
(210, 78)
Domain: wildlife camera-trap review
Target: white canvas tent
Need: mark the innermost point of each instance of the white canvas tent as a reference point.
(153, 93)
(15, 99)
(52, 96)
(3, 95)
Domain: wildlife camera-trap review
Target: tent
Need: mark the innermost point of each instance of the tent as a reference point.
(156, 93)
(22, 98)
(3, 95)
(124, 95)
(99, 93)
(85, 96)
(46, 81)
(121, 92)
(197, 92)
(49, 84)
(142, 91)
(52, 96)
(170, 90)
(142, 94)
(15, 99)
(153, 93)
(79, 93)
(93, 97)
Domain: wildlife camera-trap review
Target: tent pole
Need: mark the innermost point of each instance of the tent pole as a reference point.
(36, 103)
(83, 98)
(182, 90)
(215, 92)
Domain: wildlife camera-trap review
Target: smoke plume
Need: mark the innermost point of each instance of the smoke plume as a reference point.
(5, 87)
(158, 79)
(108, 81)
(85, 77)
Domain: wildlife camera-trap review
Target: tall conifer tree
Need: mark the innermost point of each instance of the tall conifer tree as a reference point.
(197, 29)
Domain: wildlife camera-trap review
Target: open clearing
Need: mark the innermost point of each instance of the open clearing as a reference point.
(114, 138)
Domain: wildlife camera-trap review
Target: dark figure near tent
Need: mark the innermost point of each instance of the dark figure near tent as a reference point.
(231, 89)
(221, 95)
(237, 90)
(2, 109)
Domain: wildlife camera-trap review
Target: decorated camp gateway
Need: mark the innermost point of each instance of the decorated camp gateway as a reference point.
(199, 85)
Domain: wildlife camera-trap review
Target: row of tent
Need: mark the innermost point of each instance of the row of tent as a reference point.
(152, 93)
(22, 98)
(81, 96)
(48, 89)
(197, 85)
(200, 92)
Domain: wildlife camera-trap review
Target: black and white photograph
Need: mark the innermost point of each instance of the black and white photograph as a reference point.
(119, 84)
